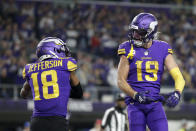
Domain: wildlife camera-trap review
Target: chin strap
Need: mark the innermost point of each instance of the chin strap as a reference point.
(138, 43)
(131, 54)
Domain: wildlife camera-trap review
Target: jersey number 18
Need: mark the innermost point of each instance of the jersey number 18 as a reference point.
(46, 84)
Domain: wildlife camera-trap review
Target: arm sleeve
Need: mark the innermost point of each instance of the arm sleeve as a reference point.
(76, 92)
(178, 78)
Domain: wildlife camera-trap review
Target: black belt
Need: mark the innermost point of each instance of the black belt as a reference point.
(49, 117)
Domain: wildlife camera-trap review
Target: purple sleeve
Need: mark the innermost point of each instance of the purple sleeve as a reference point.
(168, 50)
(122, 49)
(24, 73)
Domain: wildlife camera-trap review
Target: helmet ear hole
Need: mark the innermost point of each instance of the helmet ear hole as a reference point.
(67, 51)
(59, 51)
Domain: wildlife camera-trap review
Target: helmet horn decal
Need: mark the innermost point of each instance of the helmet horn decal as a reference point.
(153, 25)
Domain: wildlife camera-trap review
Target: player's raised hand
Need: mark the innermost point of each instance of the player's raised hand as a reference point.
(173, 99)
(143, 97)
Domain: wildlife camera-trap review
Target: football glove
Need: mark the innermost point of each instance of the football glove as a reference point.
(173, 99)
(143, 97)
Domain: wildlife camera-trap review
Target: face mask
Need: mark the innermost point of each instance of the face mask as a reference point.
(138, 37)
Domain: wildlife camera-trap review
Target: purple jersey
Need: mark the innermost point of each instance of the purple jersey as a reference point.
(50, 85)
(146, 65)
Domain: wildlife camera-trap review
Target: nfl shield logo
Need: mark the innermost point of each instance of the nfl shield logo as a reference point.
(146, 53)
(133, 52)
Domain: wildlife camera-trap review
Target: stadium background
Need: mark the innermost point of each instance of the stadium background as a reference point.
(93, 30)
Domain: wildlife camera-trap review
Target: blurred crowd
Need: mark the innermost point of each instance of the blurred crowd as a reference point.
(93, 32)
(179, 2)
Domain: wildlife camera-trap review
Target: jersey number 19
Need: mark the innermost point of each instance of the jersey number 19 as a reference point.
(148, 70)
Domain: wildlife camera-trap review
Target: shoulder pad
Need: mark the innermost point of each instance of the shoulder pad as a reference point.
(71, 63)
(122, 48)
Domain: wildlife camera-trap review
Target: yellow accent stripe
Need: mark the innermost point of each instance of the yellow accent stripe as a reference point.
(72, 69)
(121, 50)
(121, 53)
(178, 78)
(71, 66)
(171, 52)
(23, 73)
(58, 44)
(130, 55)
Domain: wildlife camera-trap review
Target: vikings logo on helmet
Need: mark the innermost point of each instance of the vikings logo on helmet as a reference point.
(143, 28)
(51, 47)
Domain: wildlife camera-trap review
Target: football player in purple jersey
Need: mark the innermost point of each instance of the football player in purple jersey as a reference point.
(142, 61)
(52, 80)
